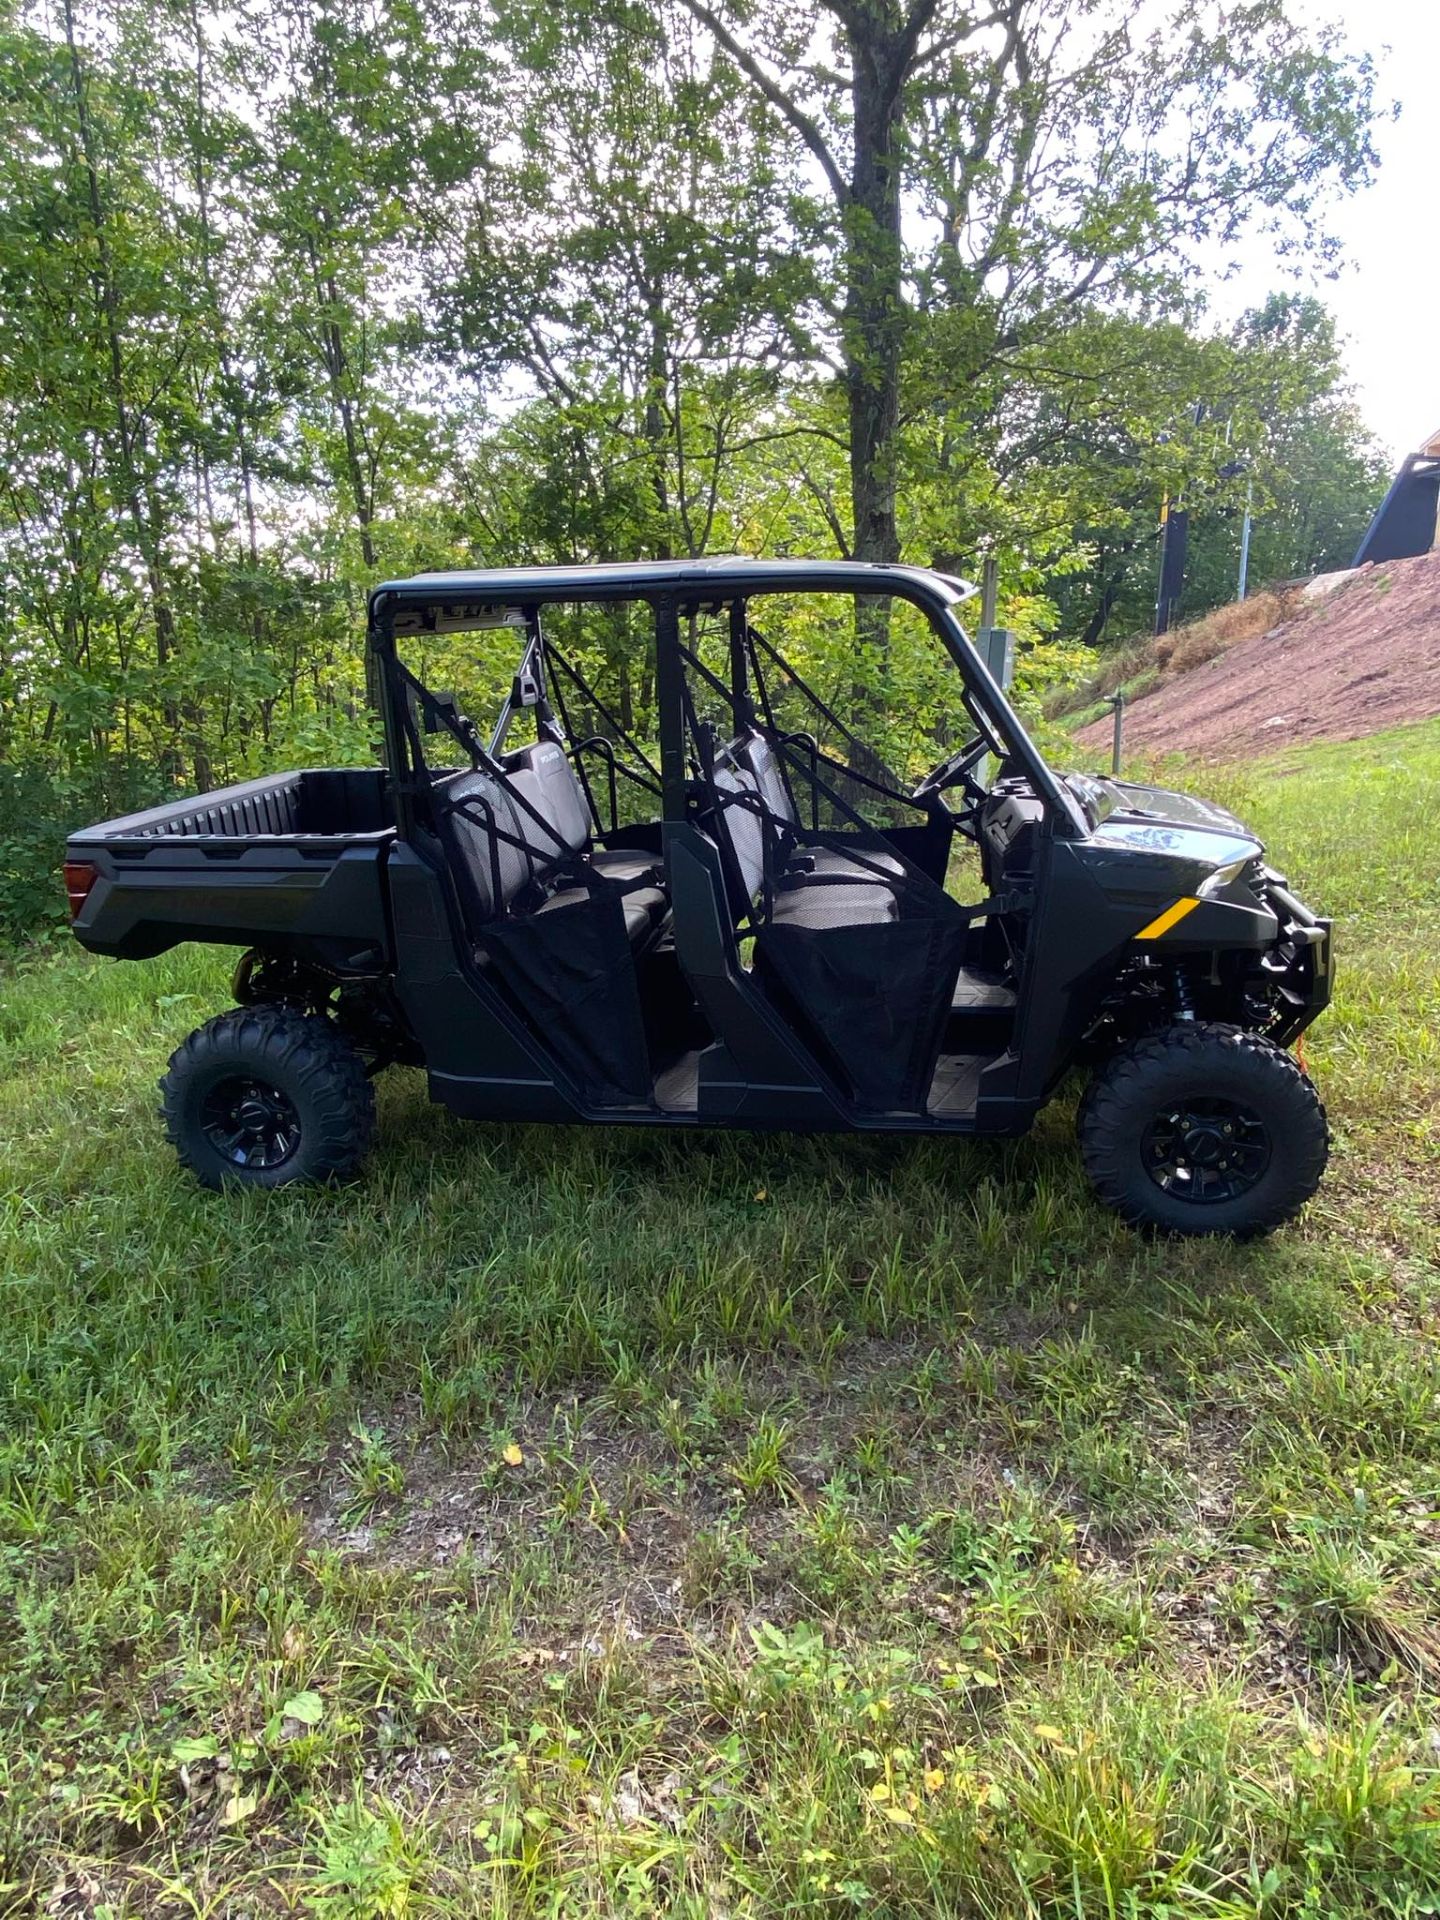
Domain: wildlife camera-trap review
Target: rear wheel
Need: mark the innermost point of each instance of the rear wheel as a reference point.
(263, 1096)
(1203, 1129)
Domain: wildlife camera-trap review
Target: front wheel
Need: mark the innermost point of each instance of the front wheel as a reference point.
(263, 1096)
(1203, 1129)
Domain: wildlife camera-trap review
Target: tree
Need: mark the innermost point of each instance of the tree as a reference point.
(1052, 155)
(1320, 472)
(631, 254)
(94, 377)
(1259, 417)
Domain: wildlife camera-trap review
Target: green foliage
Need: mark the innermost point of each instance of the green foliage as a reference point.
(1276, 433)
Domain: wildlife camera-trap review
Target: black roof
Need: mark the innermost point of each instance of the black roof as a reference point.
(638, 578)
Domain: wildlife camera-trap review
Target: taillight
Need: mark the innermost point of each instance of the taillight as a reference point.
(80, 877)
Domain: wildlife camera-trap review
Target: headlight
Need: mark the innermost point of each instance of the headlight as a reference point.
(1221, 878)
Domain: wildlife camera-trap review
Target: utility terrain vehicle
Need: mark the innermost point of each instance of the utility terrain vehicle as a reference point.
(701, 897)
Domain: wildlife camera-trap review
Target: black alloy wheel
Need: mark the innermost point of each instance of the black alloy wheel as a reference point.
(1206, 1150)
(250, 1124)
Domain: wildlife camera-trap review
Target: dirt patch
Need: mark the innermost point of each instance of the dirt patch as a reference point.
(1364, 659)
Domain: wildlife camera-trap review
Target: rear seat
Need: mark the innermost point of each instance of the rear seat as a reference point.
(539, 802)
(548, 779)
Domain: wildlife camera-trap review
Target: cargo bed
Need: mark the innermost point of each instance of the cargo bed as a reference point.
(294, 861)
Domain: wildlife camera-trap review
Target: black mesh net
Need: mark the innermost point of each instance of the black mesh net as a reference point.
(572, 973)
(862, 690)
(601, 683)
(874, 999)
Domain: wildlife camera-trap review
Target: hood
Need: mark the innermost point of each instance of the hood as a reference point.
(1133, 819)
(1135, 802)
(1105, 799)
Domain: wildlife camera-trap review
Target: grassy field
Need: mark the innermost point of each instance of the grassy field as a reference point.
(601, 1523)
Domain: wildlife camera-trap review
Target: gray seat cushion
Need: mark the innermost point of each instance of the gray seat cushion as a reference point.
(628, 864)
(544, 776)
(539, 803)
(644, 909)
(867, 863)
(816, 888)
(479, 809)
(750, 767)
(753, 754)
(743, 824)
(833, 905)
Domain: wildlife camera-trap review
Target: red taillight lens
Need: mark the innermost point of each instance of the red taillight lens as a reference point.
(80, 877)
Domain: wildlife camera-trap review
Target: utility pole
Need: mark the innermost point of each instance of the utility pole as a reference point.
(989, 590)
(1245, 541)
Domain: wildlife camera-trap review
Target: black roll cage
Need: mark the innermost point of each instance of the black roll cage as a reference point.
(464, 601)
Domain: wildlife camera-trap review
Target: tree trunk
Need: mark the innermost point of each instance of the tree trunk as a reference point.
(656, 432)
(873, 328)
(337, 370)
(139, 499)
(874, 299)
(882, 37)
(1112, 579)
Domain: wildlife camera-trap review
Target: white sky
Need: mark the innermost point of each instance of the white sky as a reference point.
(1387, 298)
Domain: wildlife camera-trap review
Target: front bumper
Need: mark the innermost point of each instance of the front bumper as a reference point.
(1300, 967)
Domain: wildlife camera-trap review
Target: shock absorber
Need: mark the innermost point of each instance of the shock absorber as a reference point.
(1184, 999)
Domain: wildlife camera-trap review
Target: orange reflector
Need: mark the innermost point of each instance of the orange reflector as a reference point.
(80, 877)
(1171, 917)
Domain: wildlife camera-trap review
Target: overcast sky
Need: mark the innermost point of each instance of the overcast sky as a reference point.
(1387, 299)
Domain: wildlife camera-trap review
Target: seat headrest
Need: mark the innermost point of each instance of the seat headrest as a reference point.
(544, 775)
(752, 751)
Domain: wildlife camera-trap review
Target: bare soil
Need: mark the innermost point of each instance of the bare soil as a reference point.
(1364, 658)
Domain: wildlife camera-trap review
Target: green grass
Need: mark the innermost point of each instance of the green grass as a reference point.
(608, 1523)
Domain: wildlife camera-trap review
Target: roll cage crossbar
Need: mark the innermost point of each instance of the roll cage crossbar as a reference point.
(702, 735)
(646, 775)
(755, 643)
(544, 670)
(750, 698)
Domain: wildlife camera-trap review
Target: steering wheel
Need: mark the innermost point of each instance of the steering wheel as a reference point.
(957, 771)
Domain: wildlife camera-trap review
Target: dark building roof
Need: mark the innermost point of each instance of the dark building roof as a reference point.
(1404, 523)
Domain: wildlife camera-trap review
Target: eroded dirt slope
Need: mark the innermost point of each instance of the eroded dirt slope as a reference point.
(1366, 657)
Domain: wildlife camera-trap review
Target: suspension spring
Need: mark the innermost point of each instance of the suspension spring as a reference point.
(1184, 999)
